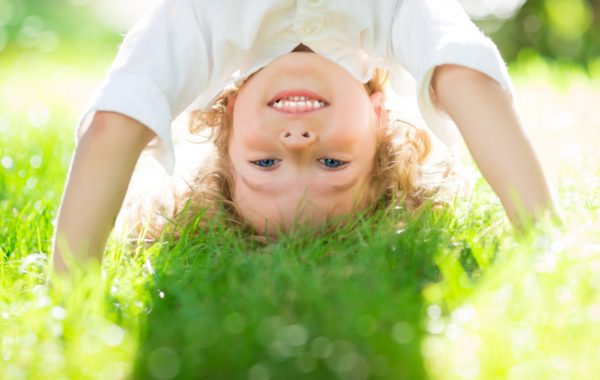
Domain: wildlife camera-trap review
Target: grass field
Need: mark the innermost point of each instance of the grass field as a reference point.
(450, 295)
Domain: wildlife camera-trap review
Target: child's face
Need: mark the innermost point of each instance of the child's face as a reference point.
(303, 142)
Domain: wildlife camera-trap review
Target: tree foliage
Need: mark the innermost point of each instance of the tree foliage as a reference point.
(565, 30)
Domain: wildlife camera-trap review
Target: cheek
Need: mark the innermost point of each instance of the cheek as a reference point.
(246, 107)
(356, 113)
(249, 142)
(246, 133)
(249, 100)
(242, 112)
(357, 131)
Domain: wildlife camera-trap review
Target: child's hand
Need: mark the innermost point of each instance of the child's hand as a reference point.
(98, 178)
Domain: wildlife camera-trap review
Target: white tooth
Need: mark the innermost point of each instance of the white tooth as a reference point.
(278, 104)
(302, 106)
(296, 98)
(293, 106)
(316, 104)
(322, 104)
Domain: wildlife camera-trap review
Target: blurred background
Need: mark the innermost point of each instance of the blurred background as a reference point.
(565, 30)
(53, 53)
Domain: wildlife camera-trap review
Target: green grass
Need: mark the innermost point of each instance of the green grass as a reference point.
(450, 294)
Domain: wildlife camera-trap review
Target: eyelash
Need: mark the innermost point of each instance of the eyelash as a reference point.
(329, 163)
(338, 163)
(266, 162)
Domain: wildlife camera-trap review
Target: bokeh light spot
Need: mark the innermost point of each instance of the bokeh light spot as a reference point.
(31, 29)
(570, 18)
(7, 162)
(58, 313)
(294, 335)
(259, 372)
(163, 363)
(402, 332)
(434, 312)
(48, 41)
(113, 335)
(234, 323)
(35, 162)
(320, 348)
(38, 114)
(31, 182)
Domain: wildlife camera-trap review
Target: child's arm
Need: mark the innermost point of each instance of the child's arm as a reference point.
(99, 175)
(491, 127)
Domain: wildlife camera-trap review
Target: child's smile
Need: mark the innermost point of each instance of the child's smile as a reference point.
(303, 142)
(298, 102)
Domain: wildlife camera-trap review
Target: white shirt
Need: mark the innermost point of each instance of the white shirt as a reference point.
(183, 53)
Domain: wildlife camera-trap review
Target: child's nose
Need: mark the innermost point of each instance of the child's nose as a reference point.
(298, 139)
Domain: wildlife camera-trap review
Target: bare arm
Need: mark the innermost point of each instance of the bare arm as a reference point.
(98, 179)
(493, 132)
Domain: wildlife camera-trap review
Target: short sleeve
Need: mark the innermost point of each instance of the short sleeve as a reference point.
(429, 33)
(159, 70)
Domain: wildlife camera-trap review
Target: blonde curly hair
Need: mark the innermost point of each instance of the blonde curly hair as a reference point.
(401, 173)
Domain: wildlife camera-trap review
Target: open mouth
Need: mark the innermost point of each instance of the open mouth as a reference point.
(298, 102)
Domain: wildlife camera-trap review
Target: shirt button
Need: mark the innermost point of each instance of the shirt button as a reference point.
(308, 29)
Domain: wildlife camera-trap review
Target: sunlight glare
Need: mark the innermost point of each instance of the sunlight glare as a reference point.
(502, 9)
(38, 114)
(120, 15)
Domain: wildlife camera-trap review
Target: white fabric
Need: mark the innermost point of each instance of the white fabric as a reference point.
(183, 53)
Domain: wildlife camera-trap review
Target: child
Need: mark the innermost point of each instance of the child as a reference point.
(301, 138)
(392, 161)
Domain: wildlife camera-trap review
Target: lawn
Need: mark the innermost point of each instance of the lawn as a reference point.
(450, 294)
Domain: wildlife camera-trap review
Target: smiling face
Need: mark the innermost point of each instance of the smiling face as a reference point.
(303, 142)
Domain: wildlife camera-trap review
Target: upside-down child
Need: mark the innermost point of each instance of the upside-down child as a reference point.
(293, 92)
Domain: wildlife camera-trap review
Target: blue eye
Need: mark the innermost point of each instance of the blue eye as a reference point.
(332, 163)
(265, 163)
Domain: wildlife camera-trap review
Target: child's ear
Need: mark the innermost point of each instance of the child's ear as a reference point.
(378, 103)
(231, 102)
